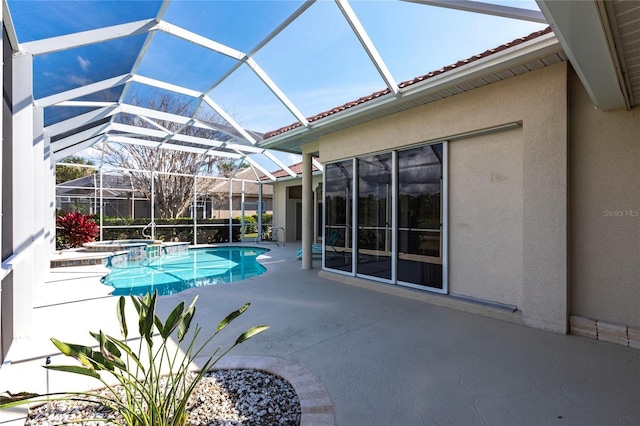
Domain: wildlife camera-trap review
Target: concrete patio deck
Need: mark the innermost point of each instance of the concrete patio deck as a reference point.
(384, 359)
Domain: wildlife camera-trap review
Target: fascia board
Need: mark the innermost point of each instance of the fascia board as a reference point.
(509, 58)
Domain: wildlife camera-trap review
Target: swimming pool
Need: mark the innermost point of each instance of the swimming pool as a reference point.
(173, 273)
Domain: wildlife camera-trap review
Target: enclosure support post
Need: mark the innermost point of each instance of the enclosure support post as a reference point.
(194, 210)
(230, 181)
(101, 202)
(259, 209)
(307, 212)
(153, 203)
(242, 227)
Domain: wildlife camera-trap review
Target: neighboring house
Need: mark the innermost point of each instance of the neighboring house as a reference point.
(118, 196)
(244, 189)
(494, 180)
(120, 199)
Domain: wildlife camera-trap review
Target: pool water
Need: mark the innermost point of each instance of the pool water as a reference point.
(173, 273)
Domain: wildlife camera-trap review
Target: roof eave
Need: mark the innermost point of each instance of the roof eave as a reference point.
(581, 28)
(382, 105)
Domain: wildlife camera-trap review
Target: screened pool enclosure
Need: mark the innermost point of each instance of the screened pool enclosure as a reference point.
(217, 83)
(208, 209)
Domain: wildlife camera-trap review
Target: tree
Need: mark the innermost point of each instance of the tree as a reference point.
(67, 173)
(173, 170)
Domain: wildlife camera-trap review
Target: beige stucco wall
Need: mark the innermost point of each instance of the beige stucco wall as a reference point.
(605, 211)
(485, 217)
(285, 208)
(533, 161)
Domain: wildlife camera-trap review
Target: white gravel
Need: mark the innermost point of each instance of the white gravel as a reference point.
(223, 398)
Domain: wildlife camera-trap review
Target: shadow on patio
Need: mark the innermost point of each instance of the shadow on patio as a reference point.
(384, 359)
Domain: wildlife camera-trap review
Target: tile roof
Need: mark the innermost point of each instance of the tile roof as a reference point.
(296, 168)
(410, 82)
(250, 186)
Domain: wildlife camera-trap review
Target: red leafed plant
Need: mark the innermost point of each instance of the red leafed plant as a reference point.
(75, 229)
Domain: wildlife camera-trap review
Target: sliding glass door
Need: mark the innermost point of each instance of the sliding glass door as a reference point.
(338, 215)
(374, 215)
(419, 255)
(395, 201)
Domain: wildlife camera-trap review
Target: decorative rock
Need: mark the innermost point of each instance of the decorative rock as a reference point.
(222, 398)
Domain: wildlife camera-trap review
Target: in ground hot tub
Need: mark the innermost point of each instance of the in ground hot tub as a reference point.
(139, 249)
(119, 245)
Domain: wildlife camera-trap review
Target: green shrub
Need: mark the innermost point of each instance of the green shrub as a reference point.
(209, 230)
(250, 224)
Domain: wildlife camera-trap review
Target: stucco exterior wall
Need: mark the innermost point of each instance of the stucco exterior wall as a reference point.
(485, 217)
(605, 210)
(285, 208)
(533, 160)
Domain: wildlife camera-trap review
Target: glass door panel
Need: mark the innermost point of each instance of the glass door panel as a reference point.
(338, 216)
(374, 215)
(419, 254)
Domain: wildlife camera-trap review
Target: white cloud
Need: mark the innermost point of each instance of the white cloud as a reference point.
(78, 80)
(84, 63)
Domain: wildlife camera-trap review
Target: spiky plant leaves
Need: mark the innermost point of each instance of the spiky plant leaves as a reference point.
(149, 399)
(233, 315)
(75, 369)
(122, 320)
(250, 333)
(173, 321)
(78, 352)
(185, 320)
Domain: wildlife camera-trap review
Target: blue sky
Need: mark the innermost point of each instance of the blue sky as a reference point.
(317, 61)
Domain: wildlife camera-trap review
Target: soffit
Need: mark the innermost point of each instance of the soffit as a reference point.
(602, 42)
